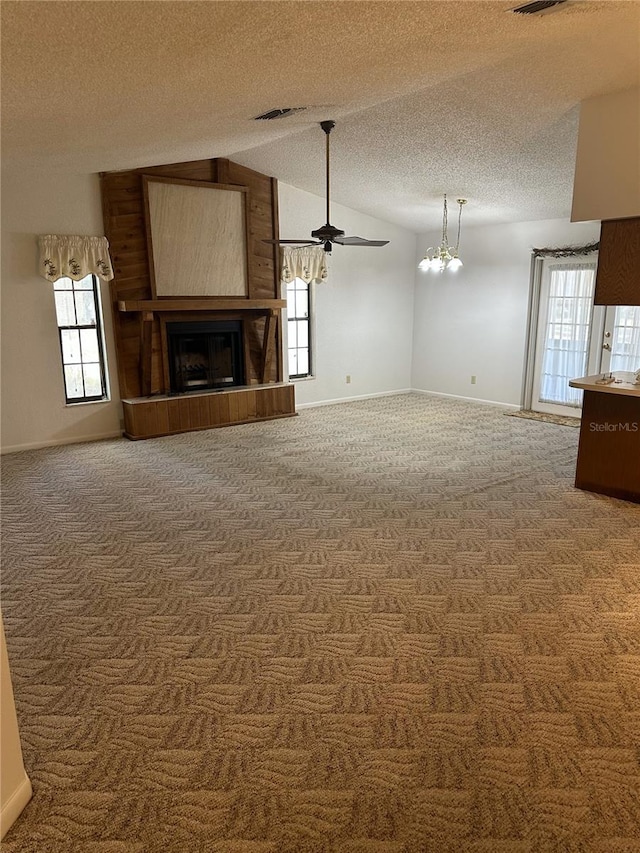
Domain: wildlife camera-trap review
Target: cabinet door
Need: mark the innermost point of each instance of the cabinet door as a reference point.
(618, 277)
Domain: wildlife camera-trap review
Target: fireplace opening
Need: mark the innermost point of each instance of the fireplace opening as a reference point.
(205, 355)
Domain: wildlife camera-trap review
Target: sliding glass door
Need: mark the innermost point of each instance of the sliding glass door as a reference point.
(574, 338)
(621, 346)
(569, 334)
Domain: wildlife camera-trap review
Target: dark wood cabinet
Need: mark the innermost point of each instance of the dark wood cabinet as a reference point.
(618, 276)
(609, 450)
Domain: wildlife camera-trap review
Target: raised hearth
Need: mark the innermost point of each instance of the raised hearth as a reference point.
(146, 417)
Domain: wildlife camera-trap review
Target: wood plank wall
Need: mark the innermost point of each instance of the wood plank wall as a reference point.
(618, 275)
(124, 223)
(166, 416)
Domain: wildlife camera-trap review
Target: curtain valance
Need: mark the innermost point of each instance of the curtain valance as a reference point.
(306, 262)
(67, 256)
(566, 251)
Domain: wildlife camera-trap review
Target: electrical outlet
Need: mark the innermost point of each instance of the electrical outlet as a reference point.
(473, 380)
(348, 379)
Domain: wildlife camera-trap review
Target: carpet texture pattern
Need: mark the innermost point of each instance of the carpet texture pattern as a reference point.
(388, 626)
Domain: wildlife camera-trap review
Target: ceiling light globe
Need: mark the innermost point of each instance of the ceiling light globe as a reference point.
(425, 264)
(454, 264)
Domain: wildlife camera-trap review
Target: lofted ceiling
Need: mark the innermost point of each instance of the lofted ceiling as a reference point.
(430, 97)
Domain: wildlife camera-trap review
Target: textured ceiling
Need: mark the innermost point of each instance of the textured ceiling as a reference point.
(430, 97)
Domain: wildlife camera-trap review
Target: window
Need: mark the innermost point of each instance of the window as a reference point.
(81, 339)
(625, 343)
(567, 331)
(298, 332)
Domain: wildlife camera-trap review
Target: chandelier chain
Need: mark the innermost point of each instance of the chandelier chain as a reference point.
(444, 256)
(445, 218)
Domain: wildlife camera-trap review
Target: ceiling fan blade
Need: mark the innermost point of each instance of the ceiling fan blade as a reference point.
(305, 242)
(359, 241)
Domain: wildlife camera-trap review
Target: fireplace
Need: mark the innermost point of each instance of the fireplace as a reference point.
(205, 355)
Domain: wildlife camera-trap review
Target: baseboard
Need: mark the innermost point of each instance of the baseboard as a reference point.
(12, 809)
(37, 445)
(468, 399)
(353, 399)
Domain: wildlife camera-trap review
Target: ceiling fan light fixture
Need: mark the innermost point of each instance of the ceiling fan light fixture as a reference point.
(328, 234)
(444, 257)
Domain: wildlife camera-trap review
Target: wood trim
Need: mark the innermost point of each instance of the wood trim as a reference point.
(275, 228)
(164, 339)
(197, 303)
(113, 289)
(246, 353)
(268, 342)
(146, 351)
(222, 170)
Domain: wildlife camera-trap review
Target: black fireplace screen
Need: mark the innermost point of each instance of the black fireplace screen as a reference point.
(205, 355)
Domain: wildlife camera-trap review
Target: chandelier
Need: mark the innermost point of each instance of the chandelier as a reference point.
(444, 256)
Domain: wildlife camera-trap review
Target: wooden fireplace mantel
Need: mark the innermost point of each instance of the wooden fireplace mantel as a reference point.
(208, 303)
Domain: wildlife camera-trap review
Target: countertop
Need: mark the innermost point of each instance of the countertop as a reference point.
(624, 384)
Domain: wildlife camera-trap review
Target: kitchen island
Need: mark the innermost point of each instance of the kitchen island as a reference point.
(609, 449)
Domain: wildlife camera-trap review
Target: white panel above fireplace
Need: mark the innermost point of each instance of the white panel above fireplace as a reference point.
(197, 235)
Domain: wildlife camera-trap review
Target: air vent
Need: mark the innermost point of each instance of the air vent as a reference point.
(537, 6)
(282, 113)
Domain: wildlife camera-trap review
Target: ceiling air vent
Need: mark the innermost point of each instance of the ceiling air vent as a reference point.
(282, 113)
(537, 6)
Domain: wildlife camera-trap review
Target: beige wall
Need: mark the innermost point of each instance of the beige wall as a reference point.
(15, 787)
(607, 176)
(34, 412)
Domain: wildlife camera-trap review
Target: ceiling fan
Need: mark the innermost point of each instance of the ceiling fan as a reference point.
(328, 234)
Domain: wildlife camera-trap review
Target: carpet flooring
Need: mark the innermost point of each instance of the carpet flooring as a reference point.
(387, 626)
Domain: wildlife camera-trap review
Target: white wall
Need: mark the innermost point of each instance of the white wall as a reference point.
(607, 176)
(34, 412)
(363, 313)
(15, 787)
(474, 321)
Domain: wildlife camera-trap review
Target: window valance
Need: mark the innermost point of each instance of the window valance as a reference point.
(67, 256)
(306, 262)
(566, 251)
